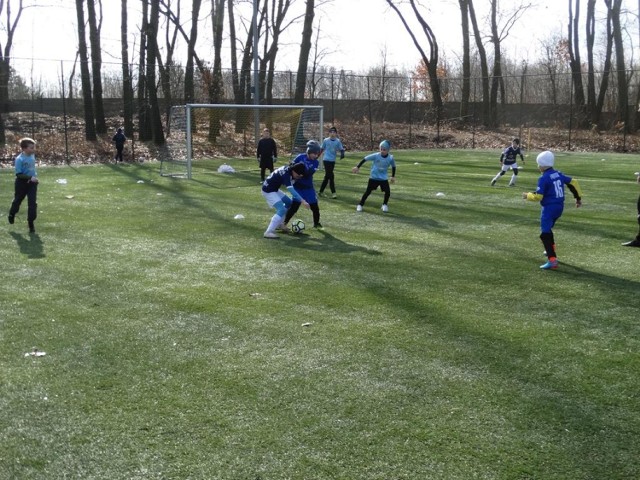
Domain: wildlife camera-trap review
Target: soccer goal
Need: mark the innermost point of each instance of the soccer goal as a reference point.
(202, 136)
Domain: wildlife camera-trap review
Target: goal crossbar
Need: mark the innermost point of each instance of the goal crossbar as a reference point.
(257, 108)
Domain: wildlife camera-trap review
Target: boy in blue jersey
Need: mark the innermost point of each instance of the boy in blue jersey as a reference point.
(636, 241)
(275, 198)
(304, 185)
(380, 163)
(550, 194)
(26, 184)
(508, 161)
(330, 148)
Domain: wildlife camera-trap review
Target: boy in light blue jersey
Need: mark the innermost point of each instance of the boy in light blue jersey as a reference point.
(26, 183)
(550, 194)
(275, 198)
(304, 185)
(380, 163)
(330, 148)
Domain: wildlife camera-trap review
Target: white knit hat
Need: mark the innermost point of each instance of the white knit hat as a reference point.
(545, 159)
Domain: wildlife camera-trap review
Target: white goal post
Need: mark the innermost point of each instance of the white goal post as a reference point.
(201, 131)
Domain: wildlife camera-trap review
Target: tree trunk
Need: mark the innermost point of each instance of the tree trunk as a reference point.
(215, 89)
(431, 60)
(85, 76)
(305, 48)
(144, 112)
(575, 63)
(127, 85)
(152, 49)
(5, 61)
(466, 60)
(484, 66)
(623, 93)
(496, 75)
(189, 88)
(590, 35)
(96, 67)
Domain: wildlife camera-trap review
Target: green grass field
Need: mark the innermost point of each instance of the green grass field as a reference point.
(436, 348)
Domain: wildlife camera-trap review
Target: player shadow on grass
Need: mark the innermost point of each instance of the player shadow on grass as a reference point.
(30, 245)
(618, 284)
(327, 243)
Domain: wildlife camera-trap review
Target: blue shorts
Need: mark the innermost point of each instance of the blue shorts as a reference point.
(548, 216)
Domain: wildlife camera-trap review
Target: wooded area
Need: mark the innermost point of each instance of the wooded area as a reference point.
(151, 78)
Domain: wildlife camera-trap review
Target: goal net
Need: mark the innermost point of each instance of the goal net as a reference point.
(203, 136)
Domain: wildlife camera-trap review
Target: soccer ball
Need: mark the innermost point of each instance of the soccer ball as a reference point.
(297, 226)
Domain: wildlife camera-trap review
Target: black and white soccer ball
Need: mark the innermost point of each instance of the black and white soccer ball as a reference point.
(297, 226)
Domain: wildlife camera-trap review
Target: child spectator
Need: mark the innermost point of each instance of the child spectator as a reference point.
(26, 183)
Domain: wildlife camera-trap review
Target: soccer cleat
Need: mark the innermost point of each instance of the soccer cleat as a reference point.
(318, 226)
(334, 195)
(11, 219)
(322, 194)
(32, 228)
(633, 243)
(512, 184)
(283, 228)
(269, 234)
(493, 182)
(385, 208)
(550, 265)
(358, 208)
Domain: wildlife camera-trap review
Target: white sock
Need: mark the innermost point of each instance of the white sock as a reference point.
(275, 221)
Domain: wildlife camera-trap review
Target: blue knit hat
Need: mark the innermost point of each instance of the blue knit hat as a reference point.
(385, 144)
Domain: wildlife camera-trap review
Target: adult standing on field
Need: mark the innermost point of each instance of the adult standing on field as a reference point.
(330, 148)
(636, 241)
(119, 139)
(267, 153)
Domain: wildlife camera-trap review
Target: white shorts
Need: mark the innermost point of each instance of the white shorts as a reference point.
(272, 197)
(505, 167)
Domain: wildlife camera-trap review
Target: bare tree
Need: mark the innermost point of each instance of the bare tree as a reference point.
(85, 75)
(96, 64)
(191, 52)
(575, 61)
(144, 111)
(150, 73)
(466, 59)
(305, 48)
(5, 57)
(240, 77)
(430, 60)
(166, 66)
(484, 65)
(127, 84)
(614, 7)
(498, 34)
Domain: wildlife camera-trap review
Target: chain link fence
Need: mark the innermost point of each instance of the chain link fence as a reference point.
(539, 108)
